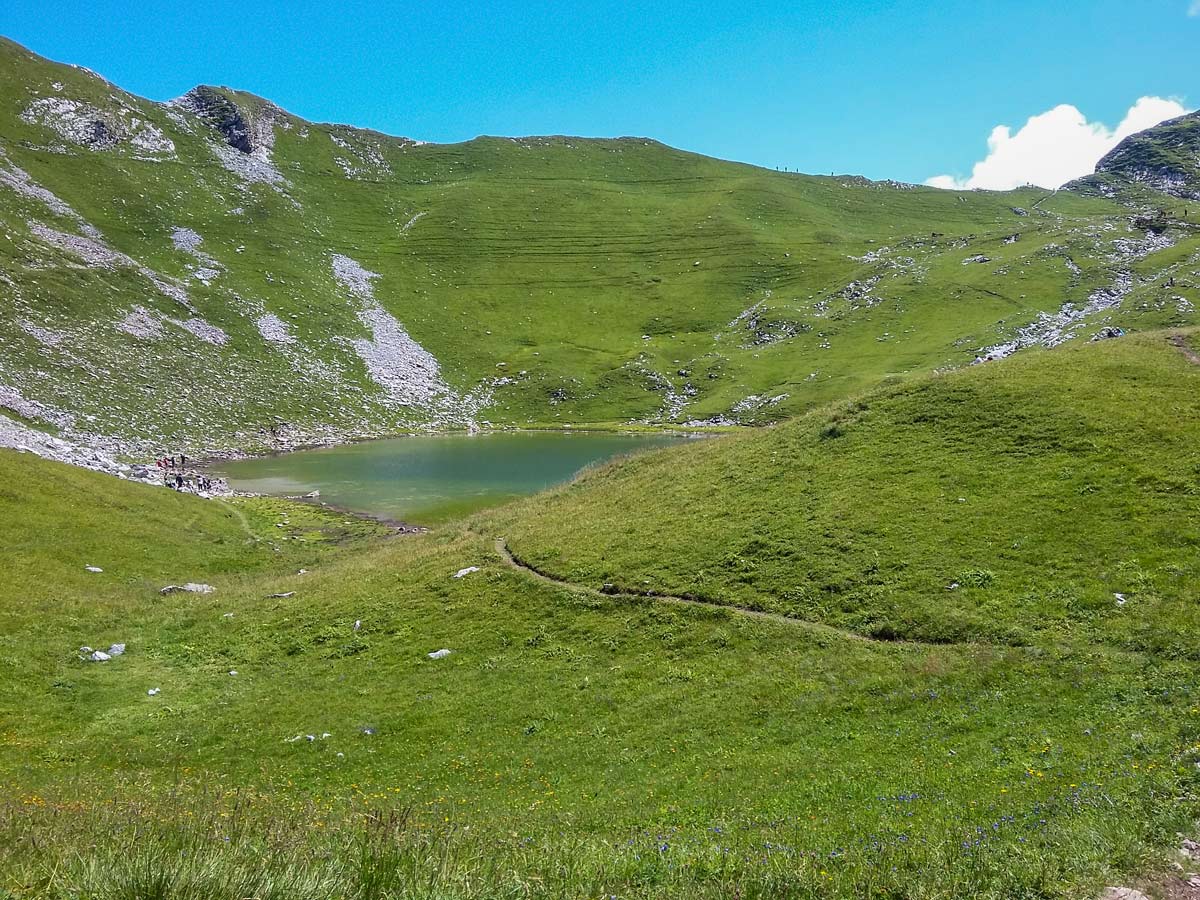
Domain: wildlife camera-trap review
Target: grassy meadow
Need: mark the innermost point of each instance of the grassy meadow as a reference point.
(1023, 734)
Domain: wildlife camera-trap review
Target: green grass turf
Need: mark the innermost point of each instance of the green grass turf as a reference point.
(581, 745)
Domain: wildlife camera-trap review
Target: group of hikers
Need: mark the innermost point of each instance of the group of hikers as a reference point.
(175, 478)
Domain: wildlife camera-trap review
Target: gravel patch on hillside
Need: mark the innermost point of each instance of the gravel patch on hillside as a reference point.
(11, 399)
(186, 239)
(1052, 329)
(142, 323)
(17, 436)
(203, 330)
(273, 329)
(408, 373)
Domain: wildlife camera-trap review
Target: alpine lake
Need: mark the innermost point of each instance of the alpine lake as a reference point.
(426, 479)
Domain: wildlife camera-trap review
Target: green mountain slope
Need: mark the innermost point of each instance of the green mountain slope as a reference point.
(204, 271)
(578, 744)
(1165, 158)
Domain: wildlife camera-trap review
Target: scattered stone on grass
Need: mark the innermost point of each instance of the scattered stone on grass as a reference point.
(153, 692)
(467, 571)
(439, 654)
(1122, 893)
(93, 569)
(90, 655)
(1190, 849)
(190, 588)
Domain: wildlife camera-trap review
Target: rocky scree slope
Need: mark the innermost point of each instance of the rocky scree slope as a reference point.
(215, 273)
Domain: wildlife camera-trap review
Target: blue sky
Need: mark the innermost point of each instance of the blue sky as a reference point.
(899, 89)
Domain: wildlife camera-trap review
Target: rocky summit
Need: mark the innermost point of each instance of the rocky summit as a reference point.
(1165, 158)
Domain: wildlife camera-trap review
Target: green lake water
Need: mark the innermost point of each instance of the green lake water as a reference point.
(431, 478)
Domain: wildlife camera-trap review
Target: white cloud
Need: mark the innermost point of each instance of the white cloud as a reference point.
(1055, 147)
(1194, 9)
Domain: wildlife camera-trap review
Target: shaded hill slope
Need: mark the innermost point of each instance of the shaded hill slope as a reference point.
(203, 271)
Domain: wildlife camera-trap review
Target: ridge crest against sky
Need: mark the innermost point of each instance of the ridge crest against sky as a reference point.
(883, 88)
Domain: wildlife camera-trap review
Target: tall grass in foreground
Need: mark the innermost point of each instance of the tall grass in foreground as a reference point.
(191, 848)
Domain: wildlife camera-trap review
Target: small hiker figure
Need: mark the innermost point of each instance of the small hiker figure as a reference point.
(179, 482)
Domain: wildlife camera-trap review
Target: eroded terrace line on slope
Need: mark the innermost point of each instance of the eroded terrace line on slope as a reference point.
(516, 563)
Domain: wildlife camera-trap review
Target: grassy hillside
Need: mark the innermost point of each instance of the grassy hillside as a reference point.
(1163, 159)
(1030, 737)
(1052, 482)
(194, 273)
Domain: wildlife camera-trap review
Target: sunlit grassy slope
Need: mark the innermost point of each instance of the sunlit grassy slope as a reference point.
(574, 744)
(1005, 503)
(555, 280)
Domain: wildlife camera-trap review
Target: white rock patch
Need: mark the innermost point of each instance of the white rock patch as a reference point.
(204, 330)
(403, 368)
(17, 180)
(90, 251)
(408, 373)
(11, 399)
(186, 239)
(255, 167)
(274, 330)
(366, 159)
(1052, 329)
(354, 277)
(88, 126)
(142, 323)
(47, 337)
(147, 324)
(15, 435)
